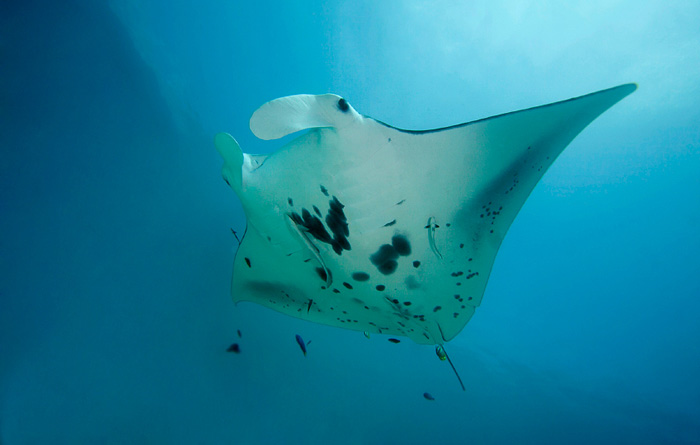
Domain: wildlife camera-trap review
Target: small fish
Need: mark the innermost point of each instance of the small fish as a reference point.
(440, 351)
(432, 225)
(302, 345)
(234, 348)
(428, 396)
(394, 340)
(239, 333)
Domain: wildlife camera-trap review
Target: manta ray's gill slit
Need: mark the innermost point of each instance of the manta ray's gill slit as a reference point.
(322, 273)
(318, 212)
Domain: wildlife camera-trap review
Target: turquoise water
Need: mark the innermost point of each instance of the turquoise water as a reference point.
(116, 248)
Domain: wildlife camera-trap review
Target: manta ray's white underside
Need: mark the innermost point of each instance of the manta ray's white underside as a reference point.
(363, 226)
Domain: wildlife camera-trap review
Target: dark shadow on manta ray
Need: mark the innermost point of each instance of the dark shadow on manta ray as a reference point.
(360, 225)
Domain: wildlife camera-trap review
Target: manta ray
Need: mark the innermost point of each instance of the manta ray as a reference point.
(364, 226)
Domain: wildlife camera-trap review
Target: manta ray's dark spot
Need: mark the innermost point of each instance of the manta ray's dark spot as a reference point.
(437, 308)
(388, 267)
(338, 223)
(335, 291)
(348, 285)
(456, 314)
(457, 274)
(406, 303)
(335, 220)
(324, 190)
(400, 202)
(457, 297)
(385, 253)
(322, 273)
(360, 276)
(380, 287)
(416, 264)
(385, 259)
(461, 246)
(401, 244)
(343, 105)
(247, 261)
(390, 223)
(411, 282)
(312, 224)
(227, 183)
(447, 225)
(290, 201)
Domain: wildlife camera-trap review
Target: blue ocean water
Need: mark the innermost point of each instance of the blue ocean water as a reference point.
(116, 249)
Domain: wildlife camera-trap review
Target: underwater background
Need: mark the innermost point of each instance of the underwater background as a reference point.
(116, 249)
